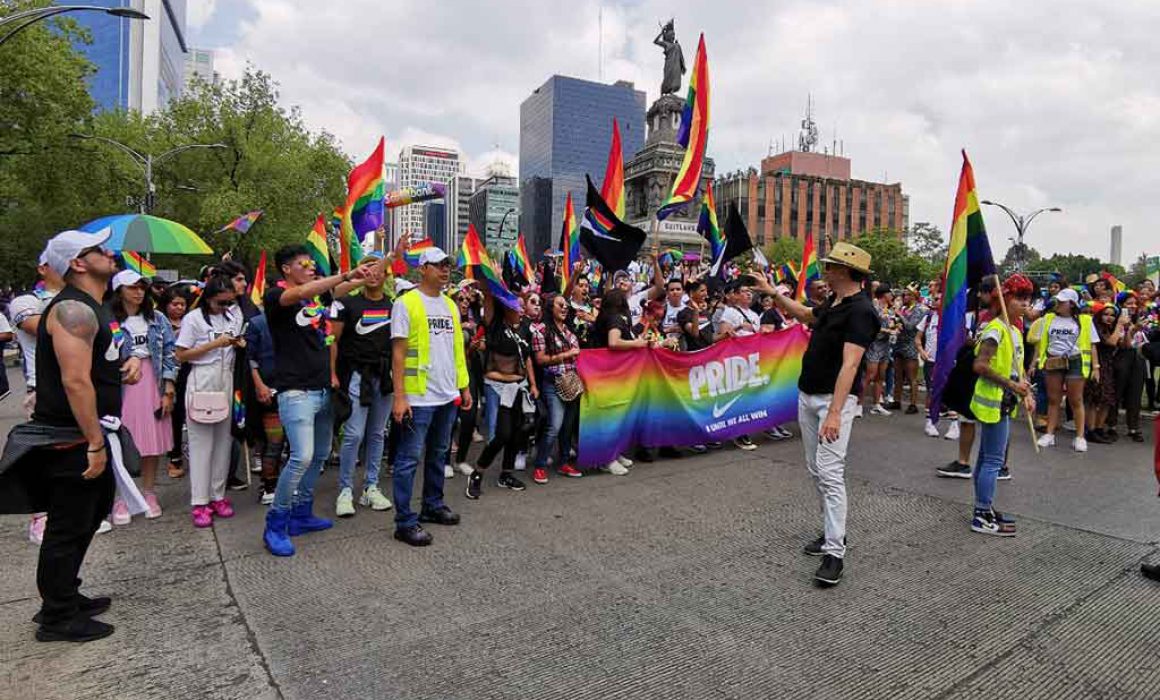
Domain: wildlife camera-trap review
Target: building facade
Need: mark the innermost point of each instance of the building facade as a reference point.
(565, 132)
(495, 212)
(1117, 251)
(141, 65)
(798, 193)
(435, 224)
(459, 206)
(419, 165)
(199, 66)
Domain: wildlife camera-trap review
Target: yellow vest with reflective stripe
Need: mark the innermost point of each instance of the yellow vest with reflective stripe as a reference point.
(988, 398)
(418, 358)
(1084, 343)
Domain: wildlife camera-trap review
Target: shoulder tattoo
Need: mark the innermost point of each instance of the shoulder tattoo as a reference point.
(76, 319)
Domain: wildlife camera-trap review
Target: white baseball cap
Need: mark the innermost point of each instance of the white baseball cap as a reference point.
(66, 246)
(126, 278)
(1068, 294)
(432, 256)
(402, 285)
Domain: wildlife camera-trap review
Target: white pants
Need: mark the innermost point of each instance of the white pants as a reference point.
(826, 462)
(209, 461)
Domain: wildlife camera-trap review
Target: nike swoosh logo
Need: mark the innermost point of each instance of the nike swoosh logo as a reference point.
(719, 411)
(302, 318)
(362, 329)
(112, 353)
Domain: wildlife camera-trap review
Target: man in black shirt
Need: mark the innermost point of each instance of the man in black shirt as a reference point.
(843, 327)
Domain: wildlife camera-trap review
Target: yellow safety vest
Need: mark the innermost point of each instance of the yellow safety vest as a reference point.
(988, 398)
(1084, 343)
(418, 358)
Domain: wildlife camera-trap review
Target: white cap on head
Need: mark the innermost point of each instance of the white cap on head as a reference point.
(66, 246)
(402, 285)
(126, 278)
(432, 256)
(1068, 294)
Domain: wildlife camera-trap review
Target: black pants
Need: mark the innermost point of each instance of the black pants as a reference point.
(178, 419)
(76, 507)
(1150, 384)
(510, 437)
(1129, 388)
(467, 422)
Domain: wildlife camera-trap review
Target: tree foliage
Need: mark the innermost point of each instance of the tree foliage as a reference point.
(893, 261)
(1075, 268)
(1010, 261)
(928, 242)
(784, 249)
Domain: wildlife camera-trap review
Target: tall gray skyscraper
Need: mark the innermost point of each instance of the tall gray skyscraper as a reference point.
(1117, 252)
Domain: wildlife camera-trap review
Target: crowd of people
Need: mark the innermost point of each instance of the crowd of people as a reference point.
(380, 374)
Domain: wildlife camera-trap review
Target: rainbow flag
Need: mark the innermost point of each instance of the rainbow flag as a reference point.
(118, 332)
(363, 211)
(569, 243)
(707, 224)
(316, 242)
(243, 223)
(810, 270)
(523, 262)
(612, 189)
(969, 259)
(416, 249)
(693, 136)
(472, 253)
(655, 398)
(239, 410)
(258, 286)
(137, 263)
(478, 265)
(376, 316)
(1116, 284)
(786, 274)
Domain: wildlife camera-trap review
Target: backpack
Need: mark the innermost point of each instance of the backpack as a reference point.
(960, 386)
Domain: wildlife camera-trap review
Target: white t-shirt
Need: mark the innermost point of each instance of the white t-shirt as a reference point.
(1063, 337)
(442, 384)
(671, 315)
(634, 301)
(928, 326)
(736, 318)
(138, 329)
(195, 331)
(21, 309)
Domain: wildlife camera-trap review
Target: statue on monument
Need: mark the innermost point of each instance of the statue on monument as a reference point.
(674, 59)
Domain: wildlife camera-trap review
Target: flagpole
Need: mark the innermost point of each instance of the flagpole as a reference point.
(1022, 377)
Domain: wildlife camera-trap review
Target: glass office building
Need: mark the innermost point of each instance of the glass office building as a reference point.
(565, 132)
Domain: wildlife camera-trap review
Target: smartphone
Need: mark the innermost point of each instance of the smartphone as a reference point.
(245, 327)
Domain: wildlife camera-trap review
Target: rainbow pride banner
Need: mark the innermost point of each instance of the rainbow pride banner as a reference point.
(659, 398)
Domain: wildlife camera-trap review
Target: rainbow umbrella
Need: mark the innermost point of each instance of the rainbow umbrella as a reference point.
(143, 233)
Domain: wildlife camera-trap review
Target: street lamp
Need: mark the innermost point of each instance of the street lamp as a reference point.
(23, 19)
(1022, 223)
(146, 161)
(499, 231)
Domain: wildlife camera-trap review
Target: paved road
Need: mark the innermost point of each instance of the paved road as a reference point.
(682, 580)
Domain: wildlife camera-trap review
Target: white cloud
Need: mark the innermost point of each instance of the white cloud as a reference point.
(1055, 100)
(199, 12)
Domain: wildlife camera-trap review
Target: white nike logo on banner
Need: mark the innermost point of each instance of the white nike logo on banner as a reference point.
(720, 411)
(362, 329)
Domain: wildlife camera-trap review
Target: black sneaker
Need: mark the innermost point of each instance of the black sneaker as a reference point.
(1136, 435)
(893, 405)
(955, 470)
(1004, 474)
(814, 549)
(87, 607)
(992, 522)
(714, 445)
(78, 629)
(644, 455)
(830, 572)
(474, 485)
(507, 480)
(698, 449)
(668, 453)
(911, 409)
(235, 484)
(414, 536)
(442, 516)
(1151, 571)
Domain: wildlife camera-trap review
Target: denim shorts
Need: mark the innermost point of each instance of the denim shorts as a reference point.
(1074, 368)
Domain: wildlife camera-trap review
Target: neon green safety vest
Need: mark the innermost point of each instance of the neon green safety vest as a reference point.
(988, 398)
(418, 358)
(1084, 343)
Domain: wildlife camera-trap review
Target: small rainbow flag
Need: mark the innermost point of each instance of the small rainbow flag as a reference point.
(693, 136)
(810, 270)
(707, 224)
(258, 286)
(472, 252)
(416, 249)
(612, 189)
(569, 242)
(316, 242)
(478, 266)
(786, 274)
(239, 410)
(118, 332)
(243, 223)
(520, 256)
(376, 315)
(363, 212)
(138, 263)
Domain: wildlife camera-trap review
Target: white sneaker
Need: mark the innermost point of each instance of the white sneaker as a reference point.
(465, 468)
(785, 434)
(344, 506)
(256, 465)
(1079, 444)
(375, 499)
(953, 431)
(614, 468)
(267, 497)
(879, 410)
(476, 437)
(104, 527)
(1048, 440)
(931, 430)
(624, 461)
(860, 412)
(1069, 426)
(448, 471)
(521, 461)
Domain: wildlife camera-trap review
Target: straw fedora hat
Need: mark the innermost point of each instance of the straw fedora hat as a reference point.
(849, 255)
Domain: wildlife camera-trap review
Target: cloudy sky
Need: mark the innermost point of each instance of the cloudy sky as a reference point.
(1056, 101)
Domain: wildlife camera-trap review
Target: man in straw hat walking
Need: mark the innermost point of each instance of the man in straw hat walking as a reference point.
(843, 325)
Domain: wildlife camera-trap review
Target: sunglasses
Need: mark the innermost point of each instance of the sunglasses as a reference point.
(307, 264)
(93, 249)
(442, 265)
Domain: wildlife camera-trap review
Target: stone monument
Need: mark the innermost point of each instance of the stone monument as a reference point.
(649, 176)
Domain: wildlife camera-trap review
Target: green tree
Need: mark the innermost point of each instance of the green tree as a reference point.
(1075, 268)
(927, 242)
(1137, 272)
(1010, 261)
(784, 249)
(892, 261)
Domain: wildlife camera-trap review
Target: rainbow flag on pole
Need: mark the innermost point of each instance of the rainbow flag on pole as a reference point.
(243, 223)
(520, 256)
(693, 136)
(316, 243)
(707, 224)
(416, 249)
(569, 243)
(810, 270)
(612, 189)
(258, 286)
(968, 261)
(137, 263)
(478, 265)
(363, 212)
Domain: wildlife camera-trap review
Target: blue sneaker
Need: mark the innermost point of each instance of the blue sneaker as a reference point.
(303, 520)
(991, 522)
(276, 537)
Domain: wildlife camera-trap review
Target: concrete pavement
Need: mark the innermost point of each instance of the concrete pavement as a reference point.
(682, 580)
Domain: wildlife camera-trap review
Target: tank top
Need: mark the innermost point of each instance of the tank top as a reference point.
(51, 401)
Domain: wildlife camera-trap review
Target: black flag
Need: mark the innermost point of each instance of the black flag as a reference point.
(612, 242)
(737, 239)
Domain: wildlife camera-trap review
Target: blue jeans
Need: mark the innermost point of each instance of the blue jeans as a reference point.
(992, 449)
(370, 421)
(490, 412)
(307, 420)
(560, 416)
(426, 439)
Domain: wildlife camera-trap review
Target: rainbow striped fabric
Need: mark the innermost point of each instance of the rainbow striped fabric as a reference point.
(239, 409)
(363, 211)
(612, 189)
(693, 136)
(316, 243)
(371, 316)
(243, 223)
(810, 270)
(478, 265)
(707, 224)
(118, 332)
(569, 242)
(968, 261)
(522, 260)
(137, 262)
(656, 398)
(416, 249)
(258, 286)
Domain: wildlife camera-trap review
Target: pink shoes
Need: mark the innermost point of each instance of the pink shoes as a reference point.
(202, 516)
(121, 513)
(222, 508)
(153, 508)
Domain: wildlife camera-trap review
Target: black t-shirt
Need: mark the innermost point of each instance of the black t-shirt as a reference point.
(598, 335)
(366, 330)
(703, 335)
(51, 400)
(302, 337)
(853, 320)
(508, 347)
(771, 317)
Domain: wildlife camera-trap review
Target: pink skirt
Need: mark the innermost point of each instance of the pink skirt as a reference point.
(153, 436)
